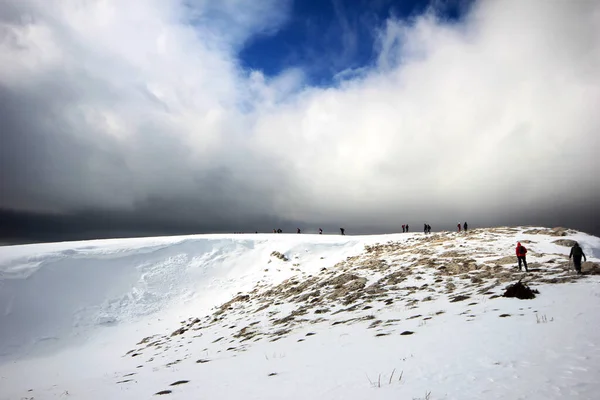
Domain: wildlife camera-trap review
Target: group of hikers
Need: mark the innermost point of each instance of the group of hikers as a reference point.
(405, 228)
(521, 251)
(298, 230)
(427, 228)
(576, 253)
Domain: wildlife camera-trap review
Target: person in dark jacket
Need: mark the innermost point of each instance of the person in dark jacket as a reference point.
(406, 228)
(342, 231)
(298, 230)
(465, 226)
(577, 253)
(521, 256)
(320, 231)
(403, 228)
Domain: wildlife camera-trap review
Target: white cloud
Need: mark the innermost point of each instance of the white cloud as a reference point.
(112, 103)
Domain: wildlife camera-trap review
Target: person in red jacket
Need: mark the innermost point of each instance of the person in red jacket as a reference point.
(521, 254)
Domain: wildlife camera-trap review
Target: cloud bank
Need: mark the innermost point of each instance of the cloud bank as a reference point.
(142, 105)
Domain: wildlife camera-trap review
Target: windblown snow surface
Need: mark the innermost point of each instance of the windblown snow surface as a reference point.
(267, 316)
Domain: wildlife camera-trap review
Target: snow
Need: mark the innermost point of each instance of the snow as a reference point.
(73, 316)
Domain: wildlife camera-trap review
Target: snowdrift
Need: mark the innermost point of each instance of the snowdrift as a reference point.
(52, 292)
(299, 316)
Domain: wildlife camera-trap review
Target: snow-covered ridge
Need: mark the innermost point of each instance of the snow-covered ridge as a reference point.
(155, 310)
(77, 286)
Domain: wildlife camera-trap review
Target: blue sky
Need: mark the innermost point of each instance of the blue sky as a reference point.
(325, 37)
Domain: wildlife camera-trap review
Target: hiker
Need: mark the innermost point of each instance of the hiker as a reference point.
(465, 226)
(521, 253)
(320, 231)
(406, 228)
(343, 231)
(428, 228)
(425, 229)
(298, 230)
(403, 228)
(458, 227)
(577, 253)
(279, 230)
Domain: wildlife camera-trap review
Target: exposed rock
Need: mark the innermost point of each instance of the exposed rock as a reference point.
(459, 298)
(375, 323)
(340, 280)
(558, 231)
(279, 255)
(375, 288)
(506, 260)
(394, 278)
(351, 287)
(590, 268)
(179, 331)
(240, 298)
(565, 242)
(178, 383)
(520, 291)
(146, 339)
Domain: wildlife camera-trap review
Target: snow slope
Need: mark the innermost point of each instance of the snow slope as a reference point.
(127, 318)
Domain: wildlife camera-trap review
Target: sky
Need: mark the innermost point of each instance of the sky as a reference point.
(182, 116)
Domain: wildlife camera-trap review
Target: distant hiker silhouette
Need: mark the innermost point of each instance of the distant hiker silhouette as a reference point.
(521, 256)
(458, 227)
(428, 228)
(425, 228)
(406, 228)
(577, 253)
(298, 230)
(343, 231)
(403, 228)
(320, 231)
(465, 226)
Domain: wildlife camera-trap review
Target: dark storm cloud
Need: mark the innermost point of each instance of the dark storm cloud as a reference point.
(133, 117)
